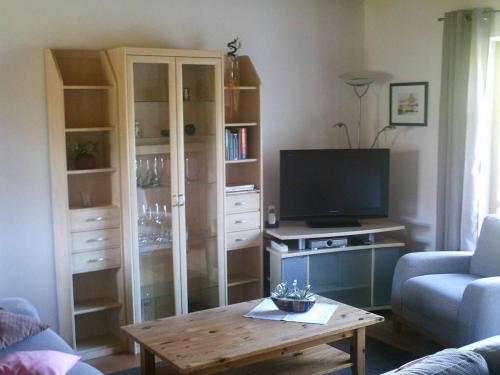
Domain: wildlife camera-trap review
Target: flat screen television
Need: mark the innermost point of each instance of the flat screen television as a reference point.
(328, 188)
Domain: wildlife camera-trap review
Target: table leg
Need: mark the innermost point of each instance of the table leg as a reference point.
(147, 361)
(358, 352)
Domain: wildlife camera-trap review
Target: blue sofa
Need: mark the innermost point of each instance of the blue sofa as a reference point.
(46, 340)
(452, 296)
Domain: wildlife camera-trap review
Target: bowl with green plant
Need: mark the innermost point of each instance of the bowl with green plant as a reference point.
(292, 299)
(84, 154)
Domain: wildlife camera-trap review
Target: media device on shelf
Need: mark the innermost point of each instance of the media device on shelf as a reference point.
(335, 187)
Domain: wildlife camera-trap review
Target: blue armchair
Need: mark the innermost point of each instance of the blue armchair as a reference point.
(452, 296)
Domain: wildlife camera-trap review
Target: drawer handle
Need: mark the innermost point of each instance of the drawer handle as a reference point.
(98, 239)
(96, 260)
(242, 221)
(240, 203)
(94, 219)
(240, 239)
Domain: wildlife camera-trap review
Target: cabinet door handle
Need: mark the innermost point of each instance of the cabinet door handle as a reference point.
(93, 219)
(240, 239)
(96, 260)
(98, 239)
(240, 203)
(242, 221)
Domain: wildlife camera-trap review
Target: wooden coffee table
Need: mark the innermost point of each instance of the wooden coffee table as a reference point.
(221, 339)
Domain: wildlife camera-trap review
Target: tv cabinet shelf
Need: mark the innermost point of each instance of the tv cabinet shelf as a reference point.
(358, 275)
(295, 230)
(381, 243)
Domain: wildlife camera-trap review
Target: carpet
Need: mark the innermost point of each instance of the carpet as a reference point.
(380, 358)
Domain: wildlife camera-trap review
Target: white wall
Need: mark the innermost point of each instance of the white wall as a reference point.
(404, 38)
(298, 47)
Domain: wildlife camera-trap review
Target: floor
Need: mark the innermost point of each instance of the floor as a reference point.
(407, 340)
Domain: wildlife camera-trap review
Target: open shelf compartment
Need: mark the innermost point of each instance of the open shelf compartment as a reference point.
(81, 67)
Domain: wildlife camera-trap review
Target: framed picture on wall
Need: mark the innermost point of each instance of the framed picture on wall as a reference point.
(408, 104)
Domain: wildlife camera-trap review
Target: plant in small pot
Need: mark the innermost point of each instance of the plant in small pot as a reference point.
(84, 158)
(293, 299)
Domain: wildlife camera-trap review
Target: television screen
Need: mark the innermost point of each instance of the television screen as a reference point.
(334, 183)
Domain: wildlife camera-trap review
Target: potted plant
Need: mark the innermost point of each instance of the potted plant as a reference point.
(293, 299)
(84, 158)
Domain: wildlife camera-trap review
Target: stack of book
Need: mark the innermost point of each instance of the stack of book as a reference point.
(236, 143)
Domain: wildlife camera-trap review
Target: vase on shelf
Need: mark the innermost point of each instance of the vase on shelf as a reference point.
(85, 161)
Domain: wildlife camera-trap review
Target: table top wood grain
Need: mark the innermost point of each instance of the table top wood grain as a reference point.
(222, 338)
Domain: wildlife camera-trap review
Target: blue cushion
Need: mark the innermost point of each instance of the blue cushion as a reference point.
(19, 306)
(490, 349)
(486, 258)
(437, 297)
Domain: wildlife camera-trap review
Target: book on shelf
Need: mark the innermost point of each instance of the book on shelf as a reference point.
(236, 143)
(238, 188)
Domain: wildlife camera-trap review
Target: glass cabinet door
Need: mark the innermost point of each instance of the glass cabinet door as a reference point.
(199, 119)
(156, 235)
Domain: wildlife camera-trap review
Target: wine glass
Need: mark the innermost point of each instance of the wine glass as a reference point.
(156, 179)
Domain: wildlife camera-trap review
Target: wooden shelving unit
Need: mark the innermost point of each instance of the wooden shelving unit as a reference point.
(82, 107)
(87, 87)
(244, 218)
(96, 305)
(253, 160)
(90, 171)
(240, 124)
(90, 129)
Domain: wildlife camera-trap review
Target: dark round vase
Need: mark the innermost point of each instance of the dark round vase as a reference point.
(85, 161)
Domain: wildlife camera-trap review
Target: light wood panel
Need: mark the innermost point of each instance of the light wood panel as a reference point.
(80, 67)
(60, 205)
(86, 108)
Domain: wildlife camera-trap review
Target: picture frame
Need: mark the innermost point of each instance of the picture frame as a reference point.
(408, 103)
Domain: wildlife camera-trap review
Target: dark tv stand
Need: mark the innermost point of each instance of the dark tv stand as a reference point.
(333, 222)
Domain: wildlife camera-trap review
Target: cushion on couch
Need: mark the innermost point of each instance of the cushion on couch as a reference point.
(38, 362)
(16, 327)
(490, 349)
(486, 258)
(447, 362)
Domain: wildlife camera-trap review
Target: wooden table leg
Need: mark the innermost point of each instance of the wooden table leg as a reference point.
(358, 352)
(147, 361)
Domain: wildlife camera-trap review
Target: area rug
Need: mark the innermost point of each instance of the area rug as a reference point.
(380, 358)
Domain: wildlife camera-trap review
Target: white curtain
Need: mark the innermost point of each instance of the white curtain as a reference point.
(465, 127)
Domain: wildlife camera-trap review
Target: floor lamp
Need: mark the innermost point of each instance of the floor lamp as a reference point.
(360, 82)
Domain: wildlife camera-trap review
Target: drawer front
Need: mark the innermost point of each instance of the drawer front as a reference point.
(95, 239)
(96, 260)
(245, 221)
(246, 238)
(242, 203)
(95, 218)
